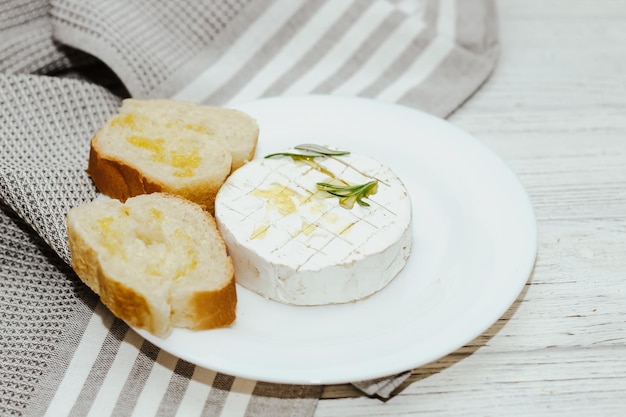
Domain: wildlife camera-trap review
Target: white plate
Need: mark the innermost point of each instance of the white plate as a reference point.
(474, 247)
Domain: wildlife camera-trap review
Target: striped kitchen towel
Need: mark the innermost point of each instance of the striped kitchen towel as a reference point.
(64, 67)
(428, 54)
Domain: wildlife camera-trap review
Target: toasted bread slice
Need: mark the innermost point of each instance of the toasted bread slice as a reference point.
(157, 261)
(170, 146)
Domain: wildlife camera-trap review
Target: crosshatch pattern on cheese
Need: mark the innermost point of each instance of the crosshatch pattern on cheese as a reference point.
(292, 242)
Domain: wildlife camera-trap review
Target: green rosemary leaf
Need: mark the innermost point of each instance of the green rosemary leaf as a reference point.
(349, 194)
(322, 150)
(292, 155)
(315, 151)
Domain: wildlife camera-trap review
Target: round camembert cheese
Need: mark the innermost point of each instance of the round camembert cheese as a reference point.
(295, 244)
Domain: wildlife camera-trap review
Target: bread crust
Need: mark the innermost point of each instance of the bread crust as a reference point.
(131, 306)
(120, 180)
(222, 312)
(117, 179)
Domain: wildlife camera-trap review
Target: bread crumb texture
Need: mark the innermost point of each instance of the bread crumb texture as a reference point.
(157, 261)
(170, 146)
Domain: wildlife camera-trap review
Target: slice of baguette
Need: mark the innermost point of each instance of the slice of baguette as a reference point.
(170, 146)
(157, 261)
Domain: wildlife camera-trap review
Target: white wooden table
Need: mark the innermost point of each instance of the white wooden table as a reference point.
(555, 110)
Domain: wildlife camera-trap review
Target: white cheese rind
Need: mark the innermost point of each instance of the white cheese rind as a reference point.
(296, 245)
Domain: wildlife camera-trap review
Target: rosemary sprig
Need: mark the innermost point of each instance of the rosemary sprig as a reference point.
(314, 152)
(349, 194)
(311, 147)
